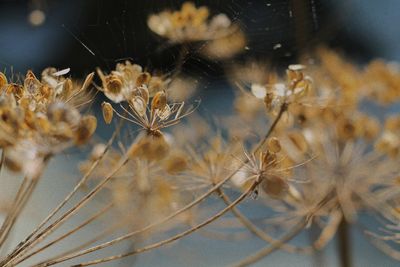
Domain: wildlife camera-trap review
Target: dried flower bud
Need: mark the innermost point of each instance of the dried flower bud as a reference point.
(273, 145)
(107, 112)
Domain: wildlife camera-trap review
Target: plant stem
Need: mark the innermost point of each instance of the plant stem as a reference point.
(273, 247)
(166, 219)
(344, 244)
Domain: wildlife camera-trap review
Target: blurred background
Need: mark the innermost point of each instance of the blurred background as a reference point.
(83, 35)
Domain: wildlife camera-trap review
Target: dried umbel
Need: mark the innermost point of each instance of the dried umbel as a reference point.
(269, 168)
(273, 94)
(129, 80)
(39, 119)
(319, 160)
(190, 24)
(146, 100)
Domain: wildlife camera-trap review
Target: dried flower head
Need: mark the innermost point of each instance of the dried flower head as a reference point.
(40, 118)
(190, 24)
(146, 98)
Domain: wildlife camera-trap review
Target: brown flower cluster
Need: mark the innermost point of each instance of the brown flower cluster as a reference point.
(223, 37)
(40, 118)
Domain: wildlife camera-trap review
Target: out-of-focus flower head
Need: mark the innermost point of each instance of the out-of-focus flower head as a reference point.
(40, 118)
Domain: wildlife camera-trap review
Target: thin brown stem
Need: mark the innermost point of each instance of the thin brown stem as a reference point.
(260, 233)
(187, 207)
(24, 193)
(52, 227)
(25, 243)
(67, 234)
(344, 245)
(174, 238)
(13, 210)
(273, 247)
(97, 238)
(82, 181)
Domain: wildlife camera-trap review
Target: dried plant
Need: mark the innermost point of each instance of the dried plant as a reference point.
(298, 145)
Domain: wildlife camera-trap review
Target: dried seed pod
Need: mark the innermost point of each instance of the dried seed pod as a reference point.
(113, 84)
(370, 126)
(164, 113)
(346, 129)
(143, 78)
(62, 131)
(269, 160)
(274, 186)
(3, 81)
(61, 112)
(43, 123)
(392, 123)
(67, 88)
(12, 164)
(159, 100)
(144, 93)
(107, 112)
(86, 128)
(175, 163)
(273, 145)
(299, 141)
(15, 89)
(152, 148)
(138, 105)
(46, 91)
(294, 73)
(31, 84)
(301, 87)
